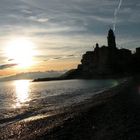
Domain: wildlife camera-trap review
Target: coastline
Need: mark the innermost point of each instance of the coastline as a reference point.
(51, 127)
(114, 117)
(80, 78)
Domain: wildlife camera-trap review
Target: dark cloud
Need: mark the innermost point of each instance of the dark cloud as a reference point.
(71, 56)
(5, 66)
(10, 59)
(79, 16)
(58, 58)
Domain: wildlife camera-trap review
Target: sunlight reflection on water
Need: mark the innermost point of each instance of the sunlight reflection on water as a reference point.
(37, 117)
(22, 92)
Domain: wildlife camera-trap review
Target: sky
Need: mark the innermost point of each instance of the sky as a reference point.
(62, 30)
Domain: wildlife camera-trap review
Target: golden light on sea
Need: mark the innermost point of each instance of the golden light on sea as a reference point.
(22, 92)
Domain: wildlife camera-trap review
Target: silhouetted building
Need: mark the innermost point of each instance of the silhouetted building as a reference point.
(111, 39)
(107, 61)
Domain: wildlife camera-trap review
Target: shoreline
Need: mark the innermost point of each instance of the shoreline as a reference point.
(113, 119)
(46, 127)
(95, 78)
(116, 118)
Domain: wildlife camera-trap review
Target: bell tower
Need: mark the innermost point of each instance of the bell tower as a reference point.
(111, 39)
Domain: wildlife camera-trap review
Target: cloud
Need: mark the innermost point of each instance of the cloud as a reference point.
(67, 27)
(10, 59)
(66, 18)
(5, 66)
(38, 19)
(62, 57)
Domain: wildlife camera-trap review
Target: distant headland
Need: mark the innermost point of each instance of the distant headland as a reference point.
(104, 62)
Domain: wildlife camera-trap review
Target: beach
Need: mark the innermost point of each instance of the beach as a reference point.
(116, 118)
(113, 114)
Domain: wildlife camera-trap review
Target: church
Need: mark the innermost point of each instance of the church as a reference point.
(107, 61)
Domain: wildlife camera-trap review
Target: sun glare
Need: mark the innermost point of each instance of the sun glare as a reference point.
(22, 92)
(21, 51)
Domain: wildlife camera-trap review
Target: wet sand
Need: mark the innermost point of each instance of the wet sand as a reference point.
(112, 115)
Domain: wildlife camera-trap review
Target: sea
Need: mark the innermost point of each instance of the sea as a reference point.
(23, 99)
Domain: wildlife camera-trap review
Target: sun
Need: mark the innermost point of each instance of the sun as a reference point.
(21, 51)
